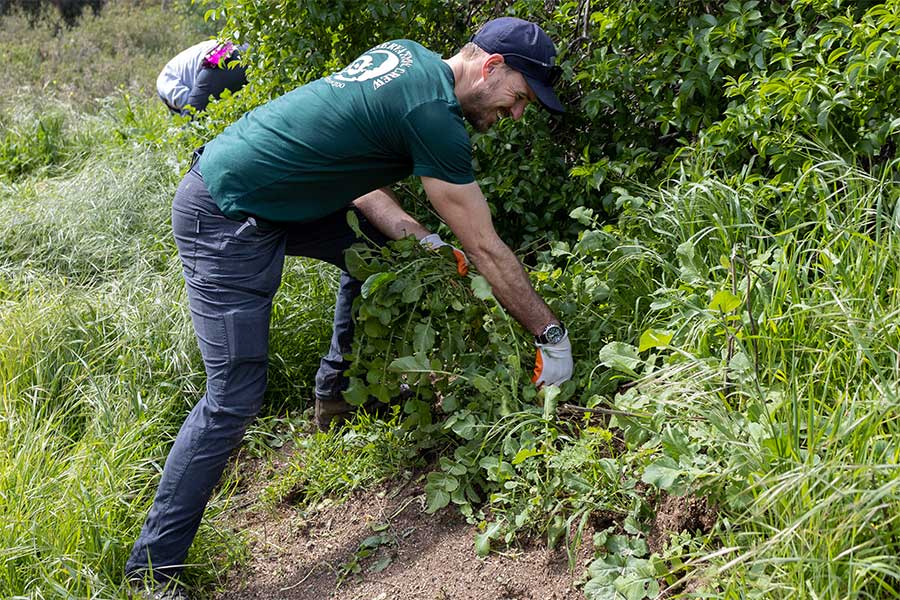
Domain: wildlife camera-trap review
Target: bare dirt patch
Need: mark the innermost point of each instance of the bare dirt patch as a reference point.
(675, 514)
(381, 545)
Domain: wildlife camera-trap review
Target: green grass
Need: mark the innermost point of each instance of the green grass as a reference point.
(122, 48)
(803, 433)
(98, 362)
(330, 465)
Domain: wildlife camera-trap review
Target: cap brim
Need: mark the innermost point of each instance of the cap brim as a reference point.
(545, 95)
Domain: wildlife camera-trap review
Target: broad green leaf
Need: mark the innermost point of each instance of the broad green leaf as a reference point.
(483, 540)
(654, 339)
(676, 443)
(356, 393)
(631, 525)
(620, 356)
(692, 268)
(627, 546)
(725, 302)
(458, 496)
(600, 589)
(489, 462)
(374, 329)
(590, 241)
(449, 403)
(373, 282)
(450, 483)
(353, 222)
(607, 568)
(411, 364)
(374, 541)
(635, 586)
(437, 499)
(583, 215)
(381, 564)
(597, 288)
(423, 338)
(740, 363)
(452, 467)
(356, 264)
(411, 294)
(482, 288)
(600, 539)
(483, 384)
(578, 484)
(662, 473)
(524, 454)
(464, 424)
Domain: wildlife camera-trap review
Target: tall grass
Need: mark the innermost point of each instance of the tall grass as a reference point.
(98, 363)
(805, 432)
(90, 386)
(122, 48)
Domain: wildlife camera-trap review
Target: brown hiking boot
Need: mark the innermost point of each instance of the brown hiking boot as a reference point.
(337, 410)
(332, 411)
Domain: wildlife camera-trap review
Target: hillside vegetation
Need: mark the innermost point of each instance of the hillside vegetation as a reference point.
(715, 219)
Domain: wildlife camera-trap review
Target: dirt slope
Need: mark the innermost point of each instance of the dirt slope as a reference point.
(380, 545)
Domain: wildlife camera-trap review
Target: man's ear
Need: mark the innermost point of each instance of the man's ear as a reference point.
(491, 65)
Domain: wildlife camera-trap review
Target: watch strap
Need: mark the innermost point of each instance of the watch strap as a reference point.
(542, 338)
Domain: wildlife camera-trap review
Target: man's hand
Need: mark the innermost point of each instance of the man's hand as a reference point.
(434, 242)
(553, 363)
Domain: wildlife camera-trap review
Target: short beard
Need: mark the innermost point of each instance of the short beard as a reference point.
(479, 124)
(478, 119)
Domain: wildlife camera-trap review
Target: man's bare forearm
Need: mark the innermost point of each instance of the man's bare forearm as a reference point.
(511, 286)
(383, 211)
(465, 210)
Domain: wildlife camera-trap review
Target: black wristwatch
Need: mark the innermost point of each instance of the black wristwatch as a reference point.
(552, 334)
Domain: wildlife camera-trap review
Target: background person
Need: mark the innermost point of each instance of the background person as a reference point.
(199, 73)
(279, 182)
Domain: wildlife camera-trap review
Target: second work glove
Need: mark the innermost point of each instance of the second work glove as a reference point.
(553, 363)
(434, 241)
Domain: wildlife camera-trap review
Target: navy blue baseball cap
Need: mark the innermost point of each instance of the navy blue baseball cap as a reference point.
(527, 49)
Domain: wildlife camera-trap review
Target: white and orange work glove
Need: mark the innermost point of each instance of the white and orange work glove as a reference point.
(553, 363)
(434, 241)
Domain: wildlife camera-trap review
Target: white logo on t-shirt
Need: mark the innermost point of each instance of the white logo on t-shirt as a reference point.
(381, 65)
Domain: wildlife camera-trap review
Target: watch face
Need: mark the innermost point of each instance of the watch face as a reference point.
(554, 334)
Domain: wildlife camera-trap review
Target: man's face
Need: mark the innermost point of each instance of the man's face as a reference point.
(503, 92)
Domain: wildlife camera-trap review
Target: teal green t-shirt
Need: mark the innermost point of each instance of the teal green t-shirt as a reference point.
(391, 113)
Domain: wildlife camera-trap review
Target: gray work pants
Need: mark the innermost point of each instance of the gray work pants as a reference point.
(232, 270)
